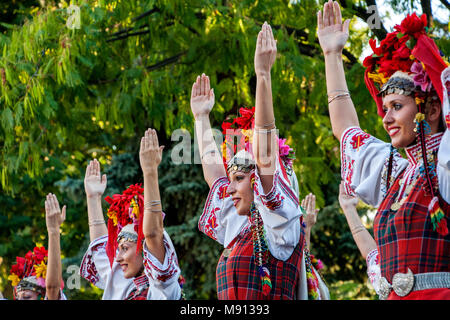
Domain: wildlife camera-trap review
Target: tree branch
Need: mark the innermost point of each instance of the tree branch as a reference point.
(426, 8)
(363, 13)
(446, 4)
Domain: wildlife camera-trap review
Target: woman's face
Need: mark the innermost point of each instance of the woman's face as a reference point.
(27, 295)
(130, 262)
(241, 191)
(400, 112)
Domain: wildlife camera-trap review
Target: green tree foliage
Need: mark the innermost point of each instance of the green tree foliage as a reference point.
(71, 94)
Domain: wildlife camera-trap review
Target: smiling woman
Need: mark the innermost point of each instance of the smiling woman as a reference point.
(408, 79)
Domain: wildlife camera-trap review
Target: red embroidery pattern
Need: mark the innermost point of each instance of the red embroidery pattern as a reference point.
(153, 270)
(359, 139)
(211, 225)
(447, 121)
(223, 191)
(274, 203)
(88, 270)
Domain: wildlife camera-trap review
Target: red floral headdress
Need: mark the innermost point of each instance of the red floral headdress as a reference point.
(30, 272)
(125, 208)
(408, 49)
(242, 127)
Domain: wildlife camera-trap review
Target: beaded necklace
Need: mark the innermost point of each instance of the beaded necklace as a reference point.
(260, 249)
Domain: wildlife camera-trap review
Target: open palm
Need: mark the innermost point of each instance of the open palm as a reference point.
(202, 96)
(94, 183)
(332, 33)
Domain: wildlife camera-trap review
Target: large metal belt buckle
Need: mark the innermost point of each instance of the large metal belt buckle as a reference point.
(402, 284)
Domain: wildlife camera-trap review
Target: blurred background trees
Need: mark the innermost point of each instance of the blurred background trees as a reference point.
(72, 92)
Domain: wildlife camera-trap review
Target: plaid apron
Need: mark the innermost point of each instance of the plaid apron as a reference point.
(405, 238)
(238, 279)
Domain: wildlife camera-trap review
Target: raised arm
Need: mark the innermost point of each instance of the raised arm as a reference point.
(202, 102)
(362, 237)
(150, 156)
(264, 138)
(94, 186)
(310, 216)
(333, 35)
(54, 217)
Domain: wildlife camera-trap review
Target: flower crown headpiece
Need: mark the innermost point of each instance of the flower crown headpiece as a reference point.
(30, 272)
(242, 128)
(408, 49)
(126, 208)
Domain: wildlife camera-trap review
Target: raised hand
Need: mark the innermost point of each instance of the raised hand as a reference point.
(266, 50)
(309, 204)
(54, 216)
(150, 153)
(345, 200)
(94, 183)
(332, 33)
(202, 96)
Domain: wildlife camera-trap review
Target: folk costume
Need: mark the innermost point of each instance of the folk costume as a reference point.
(157, 282)
(30, 273)
(265, 256)
(413, 194)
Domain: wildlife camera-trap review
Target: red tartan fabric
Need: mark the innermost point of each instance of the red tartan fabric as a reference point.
(238, 279)
(429, 294)
(406, 239)
(140, 291)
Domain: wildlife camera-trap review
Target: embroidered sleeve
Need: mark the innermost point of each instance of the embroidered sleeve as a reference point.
(364, 165)
(219, 219)
(443, 170)
(95, 264)
(163, 277)
(373, 269)
(280, 211)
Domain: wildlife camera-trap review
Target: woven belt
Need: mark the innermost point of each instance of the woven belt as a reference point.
(404, 283)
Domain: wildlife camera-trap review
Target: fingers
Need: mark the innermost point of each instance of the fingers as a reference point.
(104, 180)
(63, 214)
(194, 89)
(319, 20)
(346, 26)
(197, 87)
(337, 12)
(52, 204)
(326, 15)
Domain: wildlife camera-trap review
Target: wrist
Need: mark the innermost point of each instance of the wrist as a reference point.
(201, 116)
(263, 74)
(53, 232)
(333, 54)
(93, 196)
(150, 172)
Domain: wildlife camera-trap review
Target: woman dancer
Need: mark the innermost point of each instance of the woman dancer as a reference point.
(407, 77)
(251, 208)
(38, 275)
(133, 258)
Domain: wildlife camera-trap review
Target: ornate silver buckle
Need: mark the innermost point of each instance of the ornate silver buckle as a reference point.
(402, 284)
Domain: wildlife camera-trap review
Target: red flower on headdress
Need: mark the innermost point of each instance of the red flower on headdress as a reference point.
(247, 119)
(40, 253)
(376, 50)
(413, 25)
(388, 42)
